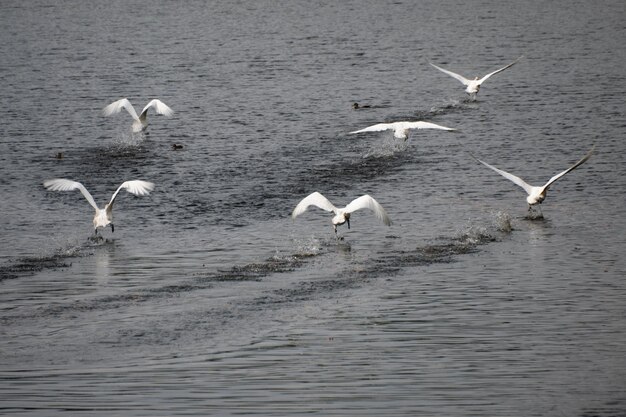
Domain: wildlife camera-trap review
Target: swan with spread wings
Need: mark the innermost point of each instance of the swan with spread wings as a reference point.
(342, 215)
(140, 122)
(536, 194)
(472, 86)
(103, 216)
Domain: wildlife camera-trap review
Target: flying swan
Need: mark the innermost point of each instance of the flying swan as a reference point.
(342, 215)
(401, 129)
(536, 194)
(472, 86)
(141, 121)
(103, 216)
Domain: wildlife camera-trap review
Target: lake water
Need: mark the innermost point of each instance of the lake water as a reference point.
(210, 300)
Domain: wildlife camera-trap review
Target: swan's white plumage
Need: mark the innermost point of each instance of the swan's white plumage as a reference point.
(159, 107)
(401, 129)
(536, 194)
(104, 216)
(474, 85)
(117, 107)
(517, 180)
(140, 121)
(313, 199)
(342, 215)
(61, 184)
(137, 187)
(365, 201)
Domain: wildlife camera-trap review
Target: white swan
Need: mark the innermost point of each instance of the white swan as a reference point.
(342, 215)
(141, 121)
(536, 194)
(401, 129)
(103, 216)
(474, 85)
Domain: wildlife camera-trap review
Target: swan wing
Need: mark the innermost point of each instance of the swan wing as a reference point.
(517, 180)
(118, 105)
(136, 187)
(452, 74)
(576, 165)
(61, 184)
(365, 201)
(482, 80)
(422, 125)
(376, 128)
(159, 107)
(313, 199)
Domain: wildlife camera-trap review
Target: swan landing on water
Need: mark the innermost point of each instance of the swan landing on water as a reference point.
(140, 122)
(104, 216)
(472, 86)
(536, 194)
(401, 129)
(342, 215)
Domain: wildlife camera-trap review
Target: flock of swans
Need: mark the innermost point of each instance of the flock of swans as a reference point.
(104, 216)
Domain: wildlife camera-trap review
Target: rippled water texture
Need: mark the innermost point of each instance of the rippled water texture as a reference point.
(210, 300)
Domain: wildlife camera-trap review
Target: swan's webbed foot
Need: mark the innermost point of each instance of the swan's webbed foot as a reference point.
(112, 228)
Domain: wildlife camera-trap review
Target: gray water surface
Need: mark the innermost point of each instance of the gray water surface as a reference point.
(210, 300)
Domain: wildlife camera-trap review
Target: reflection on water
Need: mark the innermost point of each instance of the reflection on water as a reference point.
(102, 258)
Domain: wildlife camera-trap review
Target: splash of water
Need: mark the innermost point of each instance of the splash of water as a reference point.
(502, 222)
(534, 214)
(387, 147)
(448, 106)
(129, 139)
(473, 235)
(307, 247)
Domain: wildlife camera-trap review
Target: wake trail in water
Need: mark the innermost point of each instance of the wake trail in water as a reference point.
(255, 202)
(58, 258)
(467, 240)
(449, 106)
